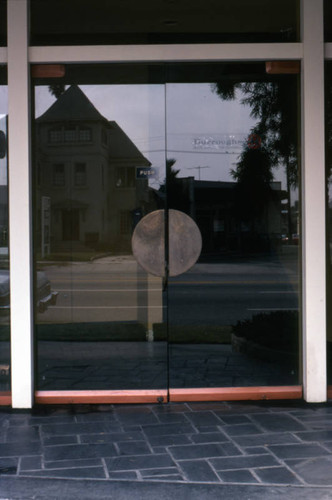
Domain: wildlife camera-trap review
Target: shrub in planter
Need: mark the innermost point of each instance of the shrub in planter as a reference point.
(277, 330)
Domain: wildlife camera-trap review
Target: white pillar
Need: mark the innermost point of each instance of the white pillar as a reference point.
(313, 203)
(20, 206)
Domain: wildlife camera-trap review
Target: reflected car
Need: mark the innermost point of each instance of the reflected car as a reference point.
(295, 238)
(45, 296)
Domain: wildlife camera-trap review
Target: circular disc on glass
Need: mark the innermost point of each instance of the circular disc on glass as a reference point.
(148, 242)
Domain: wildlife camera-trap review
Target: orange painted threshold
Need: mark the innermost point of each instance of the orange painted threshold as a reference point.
(175, 395)
(5, 398)
(98, 397)
(329, 392)
(236, 393)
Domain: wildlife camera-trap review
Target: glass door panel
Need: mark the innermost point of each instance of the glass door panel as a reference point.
(5, 382)
(99, 155)
(232, 146)
(119, 147)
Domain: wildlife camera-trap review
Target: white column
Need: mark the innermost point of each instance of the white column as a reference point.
(20, 206)
(313, 203)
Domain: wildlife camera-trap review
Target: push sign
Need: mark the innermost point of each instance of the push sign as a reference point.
(145, 173)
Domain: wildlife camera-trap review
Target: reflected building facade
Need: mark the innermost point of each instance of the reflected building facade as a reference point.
(87, 168)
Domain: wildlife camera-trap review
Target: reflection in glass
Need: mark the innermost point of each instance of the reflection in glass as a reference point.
(91, 191)
(233, 318)
(163, 21)
(223, 151)
(4, 255)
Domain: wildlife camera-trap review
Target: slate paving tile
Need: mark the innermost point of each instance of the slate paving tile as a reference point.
(169, 439)
(203, 418)
(278, 423)
(139, 462)
(20, 449)
(132, 409)
(168, 429)
(123, 475)
(328, 446)
(298, 450)
(8, 466)
(241, 429)
(173, 408)
(79, 428)
(78, 463)
(197, 451)
(159, 450)
(165, 478)
(208, 406)
(234, 419)
(84, 473)
(208, 428)
(309, 419)
(112, 437)
(167, 471)
(209, 437)
(169, 418)
(237, 476)
(277, 475)
(140, 418)
(265, 439)
(243, 462)
(255, 450)
(133, 448)
(53, 453)
(232, 409)
(231, 449)
(96, 417)
(324, 435)
(56, 440)
(314, 471)
(198, 470)
(131, 428)
(31, 463)
(23, 433)
(37, 420)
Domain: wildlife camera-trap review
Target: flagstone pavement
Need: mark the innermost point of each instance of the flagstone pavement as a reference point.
(243, 448)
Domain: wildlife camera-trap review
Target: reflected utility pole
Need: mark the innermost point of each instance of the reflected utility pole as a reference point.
(199, 170)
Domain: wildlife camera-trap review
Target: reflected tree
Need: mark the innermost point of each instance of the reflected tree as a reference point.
(176, 189)
(57, 89)
(272, 105)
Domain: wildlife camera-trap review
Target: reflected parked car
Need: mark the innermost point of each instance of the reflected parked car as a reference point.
(45, 296)
(295, 238)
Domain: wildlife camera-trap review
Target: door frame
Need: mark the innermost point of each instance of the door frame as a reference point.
(19, 56)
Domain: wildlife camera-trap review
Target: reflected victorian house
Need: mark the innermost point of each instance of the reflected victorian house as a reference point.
(86, 168)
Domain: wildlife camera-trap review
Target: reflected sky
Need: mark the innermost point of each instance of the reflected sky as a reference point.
(193, 115)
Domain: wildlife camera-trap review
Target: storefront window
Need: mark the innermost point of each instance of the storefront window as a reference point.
(79, 22)
(204, 150)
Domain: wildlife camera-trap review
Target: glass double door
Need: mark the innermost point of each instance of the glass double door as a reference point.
(166, 228)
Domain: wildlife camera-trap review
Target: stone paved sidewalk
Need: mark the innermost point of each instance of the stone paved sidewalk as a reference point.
(275, 443)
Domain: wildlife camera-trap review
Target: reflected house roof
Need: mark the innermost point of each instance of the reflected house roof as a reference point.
(120, 143)
(74, 106)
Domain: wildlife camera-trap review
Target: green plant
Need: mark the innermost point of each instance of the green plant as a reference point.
(276, 330)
